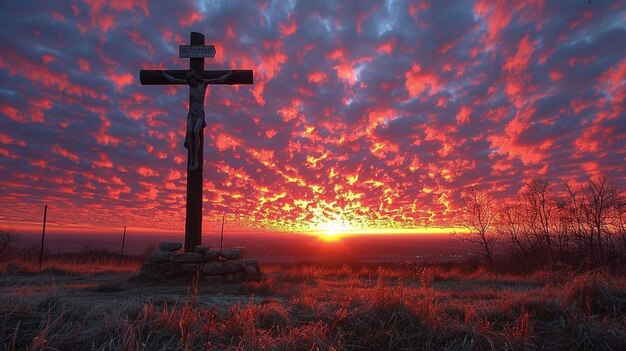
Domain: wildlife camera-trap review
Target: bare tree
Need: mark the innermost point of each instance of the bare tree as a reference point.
(540, 208)
(563, 234)
(478, 217)
(621, 230)
(595, 212)
(7, 236)
(510, 224)
(571, 208)
(601, 210)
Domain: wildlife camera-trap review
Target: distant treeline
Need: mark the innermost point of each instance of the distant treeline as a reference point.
(550, 225)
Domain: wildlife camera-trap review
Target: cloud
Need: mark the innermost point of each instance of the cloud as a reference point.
(374, 115)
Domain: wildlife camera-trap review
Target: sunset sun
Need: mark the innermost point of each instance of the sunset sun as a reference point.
(333, 230)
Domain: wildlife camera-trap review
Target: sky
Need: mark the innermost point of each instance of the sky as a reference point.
(364, 116)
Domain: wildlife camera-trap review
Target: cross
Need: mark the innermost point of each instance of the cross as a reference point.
(197, 79)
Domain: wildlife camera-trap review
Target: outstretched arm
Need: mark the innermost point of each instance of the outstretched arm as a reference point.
(172, 79)
(219, 79)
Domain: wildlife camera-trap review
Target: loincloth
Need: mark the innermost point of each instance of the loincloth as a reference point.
(192, 118)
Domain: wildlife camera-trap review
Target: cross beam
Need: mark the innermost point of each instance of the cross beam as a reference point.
(197, 79)
(155, 77)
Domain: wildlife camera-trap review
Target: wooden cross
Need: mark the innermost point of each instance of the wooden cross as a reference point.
(197, 79)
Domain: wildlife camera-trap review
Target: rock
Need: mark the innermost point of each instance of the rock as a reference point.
(167, 266)
(234, 277)
(223, 268)
(242, 269)
(251, 271)
(258, 267)
(160, 256)
(187, 257)
(211, 255)
(156, 271)
(234, 266)
(214, 268)
(232, 254)
(250, 262)
(213, 279)
(170, 246)
(201, 248)
(240, 276)
(187, 269)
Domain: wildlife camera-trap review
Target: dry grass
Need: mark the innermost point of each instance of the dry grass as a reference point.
(310, 307)
(74, 264)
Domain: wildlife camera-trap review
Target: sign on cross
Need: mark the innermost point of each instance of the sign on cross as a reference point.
(194, 51)
(197, 79)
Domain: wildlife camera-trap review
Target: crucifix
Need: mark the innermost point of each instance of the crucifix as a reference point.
(197, 79)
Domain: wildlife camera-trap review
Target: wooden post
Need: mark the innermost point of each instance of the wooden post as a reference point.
(193, 217)
(123, 241)
(222, 238)
(43, 234)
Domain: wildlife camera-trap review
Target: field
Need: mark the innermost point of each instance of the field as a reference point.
(74, 304)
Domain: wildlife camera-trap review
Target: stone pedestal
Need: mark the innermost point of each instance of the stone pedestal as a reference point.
(212, 265)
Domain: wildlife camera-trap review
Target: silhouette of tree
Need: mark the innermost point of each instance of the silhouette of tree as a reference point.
(511, 224)
(540, 208)
(478, 217)
(596, 215)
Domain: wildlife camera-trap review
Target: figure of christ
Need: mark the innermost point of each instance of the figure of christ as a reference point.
(195, 117)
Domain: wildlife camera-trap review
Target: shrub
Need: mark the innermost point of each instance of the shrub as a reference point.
(596, 292)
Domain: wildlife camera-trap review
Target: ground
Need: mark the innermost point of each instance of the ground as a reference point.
(104, 306)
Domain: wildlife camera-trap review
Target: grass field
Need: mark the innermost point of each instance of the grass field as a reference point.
(101, 305)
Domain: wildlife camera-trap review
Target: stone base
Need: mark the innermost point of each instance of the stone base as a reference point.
(212, 266)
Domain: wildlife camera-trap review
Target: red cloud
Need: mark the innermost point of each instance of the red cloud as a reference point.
(463, 115)
(130, 5)
(103, 160)
(225, 141)
(519, 62)
(38, 106)
(147, 172)
(12, 113)
(345, 68)
(418, 81)
(345, 72)
(83, 65)
(270, 133)
(5, 139)
(65, 153)
(386, 48)
(590, 140)
(102, 136)
(190, 18)
(498, 15)
(17, 64)
(121, 80)
(556, 75)
(290, 112)
(317, 77)
(8, 154)
(613, 83)
(288, 29)
(102, 13)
